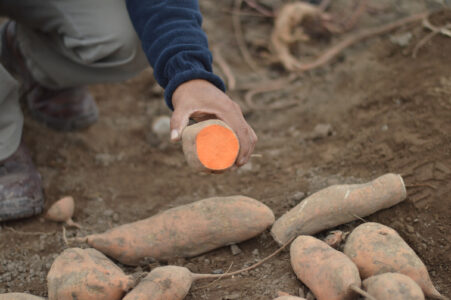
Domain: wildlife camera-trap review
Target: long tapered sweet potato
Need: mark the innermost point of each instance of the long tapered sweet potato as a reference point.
(377, 249)
(339, 204)
(19, 296)
(328, 273)
(86, 274)
(210, 146)
(186, 230)
(173, 283)
(393, 286)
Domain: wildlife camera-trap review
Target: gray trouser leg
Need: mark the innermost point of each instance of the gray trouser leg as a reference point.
(69, 43)
(11, 119)
(76, 42)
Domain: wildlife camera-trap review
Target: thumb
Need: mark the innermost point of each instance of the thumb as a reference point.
(179, 121)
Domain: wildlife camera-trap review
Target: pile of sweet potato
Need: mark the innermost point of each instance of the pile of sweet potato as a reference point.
(375, 263)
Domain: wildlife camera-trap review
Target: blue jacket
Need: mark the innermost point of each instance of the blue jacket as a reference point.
(173, 40)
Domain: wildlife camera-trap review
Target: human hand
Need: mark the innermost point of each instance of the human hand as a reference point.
(200, 100)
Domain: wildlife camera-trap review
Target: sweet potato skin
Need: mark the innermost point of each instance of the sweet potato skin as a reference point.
(86, 274)
(187, 230)
(338, 204)
(189, 136)
(61, 210)
(163, 283)
(328, 273)
(377, 249)
(393, 286)
(19, 296)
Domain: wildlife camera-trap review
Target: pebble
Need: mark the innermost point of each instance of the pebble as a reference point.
(410, 228)
(255, 252)
(161, 126)
(297, 196)
(321, 131)
(218, 271)
(115, 217)
(235, 249)
(402, 40)
(108, 213)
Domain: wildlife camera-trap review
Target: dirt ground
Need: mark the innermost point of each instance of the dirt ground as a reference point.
(387, 112)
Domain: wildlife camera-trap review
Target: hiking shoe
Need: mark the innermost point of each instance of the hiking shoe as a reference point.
(62, 109)
(20, 187)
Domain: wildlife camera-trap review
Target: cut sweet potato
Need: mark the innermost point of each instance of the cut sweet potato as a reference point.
(186, 230)
(378, 249)
(339, 204)
(86, 274)
(393, 286)
(210, 146)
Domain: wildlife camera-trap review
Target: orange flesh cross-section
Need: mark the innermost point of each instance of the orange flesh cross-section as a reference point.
(217, 147)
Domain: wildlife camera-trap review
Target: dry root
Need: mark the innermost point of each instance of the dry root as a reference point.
(444, 30)
(285, 31)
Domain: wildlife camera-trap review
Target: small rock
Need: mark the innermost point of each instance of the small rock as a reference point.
(410, 228)
(255, 252)
(206, 261)
(384, 127)
(232, 296)
(161, 126)
(115, 217)
(235, 249)
(218, 271)
(108, 213)
(321, 131)
(297, 196)
(402, 40)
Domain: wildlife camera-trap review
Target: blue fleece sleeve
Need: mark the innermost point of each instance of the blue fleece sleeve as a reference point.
(174, 42)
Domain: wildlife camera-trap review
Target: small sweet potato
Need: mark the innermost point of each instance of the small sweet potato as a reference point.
(62, 211)
(377, 249)
(339, 204)
(185, 231)
(19, 296)
(163, 283)
(173, 283)
(328, 273)
(210, 146)
(393, 286)
(86, 274)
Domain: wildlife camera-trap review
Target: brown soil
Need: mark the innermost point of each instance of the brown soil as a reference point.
(388, 113)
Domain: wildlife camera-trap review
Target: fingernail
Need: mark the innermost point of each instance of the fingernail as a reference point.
(174, 134)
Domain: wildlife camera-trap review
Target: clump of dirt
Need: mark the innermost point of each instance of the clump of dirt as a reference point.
(384, 112)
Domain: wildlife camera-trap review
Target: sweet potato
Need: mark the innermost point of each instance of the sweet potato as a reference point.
(377, 249)
(210, 146)
(86, 274)
(19, 296)
(393, 286)
(328, 273)
(62, 211)
(339, 204)
(163, 283)
(173, 283)
(186, 230)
